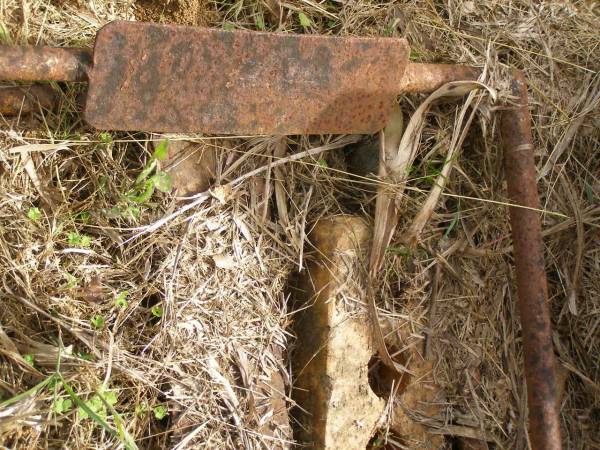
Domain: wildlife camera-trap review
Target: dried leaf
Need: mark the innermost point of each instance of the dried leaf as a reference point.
(223, 261)
(458, 136)
(393, 170)
(222, 193)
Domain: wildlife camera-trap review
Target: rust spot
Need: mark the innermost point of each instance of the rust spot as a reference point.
(184, 79)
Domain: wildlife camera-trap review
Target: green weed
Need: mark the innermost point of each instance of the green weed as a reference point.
(157, 311)
(121, 299)
(151, 178)
(304, 20)
(160, 412)
(34, 214)
(76, 239)
(98, 321)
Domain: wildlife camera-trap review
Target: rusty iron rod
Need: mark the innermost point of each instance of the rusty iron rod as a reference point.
(539, 361)
(425, 78)
(44, 63)
(72, 64)
(25, 99)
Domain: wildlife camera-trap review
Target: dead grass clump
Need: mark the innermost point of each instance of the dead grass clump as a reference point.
(173, 337)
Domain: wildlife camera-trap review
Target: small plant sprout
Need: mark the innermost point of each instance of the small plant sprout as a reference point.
(34, 214)
(121, 300)
(157, 311)
(72, 281)
(76, 239)
(260, 22)
(162, 181)
(162, 150)
(97, 321)
(105, 137)
(29, 358)
(97, 405)
(145, 184)
(160, 412)
(83, 216)
(62, 405)
(304, 20)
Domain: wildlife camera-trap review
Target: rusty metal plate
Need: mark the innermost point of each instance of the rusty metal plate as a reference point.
(184, 79)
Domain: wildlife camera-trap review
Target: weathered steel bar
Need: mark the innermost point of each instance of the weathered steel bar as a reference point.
(44, 63)
(540, 371)
(23, 100)
(424, 78)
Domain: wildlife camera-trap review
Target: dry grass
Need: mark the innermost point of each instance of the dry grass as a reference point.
(222, 330)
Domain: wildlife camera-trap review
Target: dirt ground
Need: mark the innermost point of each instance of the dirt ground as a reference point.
(120, 328)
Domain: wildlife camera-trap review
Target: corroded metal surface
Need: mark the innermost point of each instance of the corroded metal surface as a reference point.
(23, 100)
(43, 63)
(172, 78)
(540, 373)
(424, 78)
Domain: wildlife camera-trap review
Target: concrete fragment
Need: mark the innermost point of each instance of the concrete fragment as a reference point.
(337, 408)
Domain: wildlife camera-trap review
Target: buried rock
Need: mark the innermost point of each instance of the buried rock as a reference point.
(336, 406)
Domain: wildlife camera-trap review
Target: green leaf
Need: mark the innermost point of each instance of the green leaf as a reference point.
(126, 439)
(260, 22)
(157, 311)
(589, 192)
(98, 403)
(160, 412)
(121, 299)
(79, 240)
(84, 216)
(146, 172)
(141, 409)
(162, 181)
(105, 137)
(4, 35)
(29, 358)
(86, 241)
(97, 321)
(84, 356)
(72, 281)
(162, 150)
(34, 214)
(94, 405)
(133, 212)
(322, 163)
(414, 54)
(452, 225)
(110, 397)
(144, 195)
(304, 20)
(62, 405)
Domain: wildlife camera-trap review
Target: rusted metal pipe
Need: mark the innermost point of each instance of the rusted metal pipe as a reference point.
(540, 366)
(44, 63)
(425, 78)
(26, 99)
